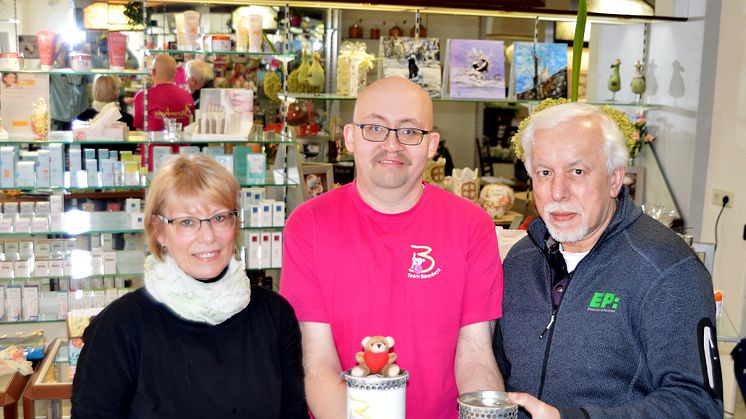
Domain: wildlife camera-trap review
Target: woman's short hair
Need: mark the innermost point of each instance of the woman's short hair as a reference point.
(199, 70)
(106, 89)
(614, 143)
(187, 178)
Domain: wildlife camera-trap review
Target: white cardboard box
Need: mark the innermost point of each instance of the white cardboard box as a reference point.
(276, 259)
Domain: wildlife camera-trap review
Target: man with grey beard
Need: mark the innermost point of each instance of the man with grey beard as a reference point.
(597, 293)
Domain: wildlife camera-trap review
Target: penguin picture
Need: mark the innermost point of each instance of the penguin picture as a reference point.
(414, 69)
(481, 64)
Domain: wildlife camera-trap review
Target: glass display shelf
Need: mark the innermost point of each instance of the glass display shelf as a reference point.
(74, 222)
(271, 228)
(129, 263)
(488, 101)
(272, 178)
(52, 379)
(33, 322)
(72, 188)
(250, 54)
(92, 72)
(138, 137)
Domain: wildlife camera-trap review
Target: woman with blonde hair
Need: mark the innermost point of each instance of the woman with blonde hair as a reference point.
(197, 341)
(105, 91)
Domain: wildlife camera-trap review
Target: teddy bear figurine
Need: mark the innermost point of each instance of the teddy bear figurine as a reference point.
(376, 358)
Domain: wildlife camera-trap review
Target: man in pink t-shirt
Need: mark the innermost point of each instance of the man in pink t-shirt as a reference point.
(389, 255)
(165, 100)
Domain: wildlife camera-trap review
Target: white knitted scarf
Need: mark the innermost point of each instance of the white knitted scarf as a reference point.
(194, 300)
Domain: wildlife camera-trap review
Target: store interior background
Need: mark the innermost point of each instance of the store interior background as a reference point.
(696, 71)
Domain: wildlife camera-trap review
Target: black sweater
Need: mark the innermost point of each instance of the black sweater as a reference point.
(142, 361)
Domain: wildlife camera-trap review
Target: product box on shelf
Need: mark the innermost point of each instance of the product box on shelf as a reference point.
(276, 259)
(278, 214)
(25, 174)
(30, 303)
(254, 251)
(42, 169)
(56, 165)
(13, 305)
(6, 269)
(7, 166)
(265, 251)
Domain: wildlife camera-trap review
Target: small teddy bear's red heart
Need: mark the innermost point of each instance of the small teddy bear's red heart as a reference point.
(376, 361)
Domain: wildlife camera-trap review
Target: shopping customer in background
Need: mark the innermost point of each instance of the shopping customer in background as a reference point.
(105, 91)
(165, 99)
(197, 340)
(199, 76)
(607, 313)
(390, 255)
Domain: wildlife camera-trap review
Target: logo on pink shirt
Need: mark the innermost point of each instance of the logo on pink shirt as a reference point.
(423, 265)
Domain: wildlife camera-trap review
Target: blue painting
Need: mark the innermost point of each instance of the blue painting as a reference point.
(476, 68)
(539, 70)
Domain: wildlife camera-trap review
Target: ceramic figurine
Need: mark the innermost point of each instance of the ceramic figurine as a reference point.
(464, 183)
(638, 81)
(435, 172)
(496, 199)
(615, 82)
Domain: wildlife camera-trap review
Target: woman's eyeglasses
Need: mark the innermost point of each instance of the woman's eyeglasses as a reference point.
(220, 223)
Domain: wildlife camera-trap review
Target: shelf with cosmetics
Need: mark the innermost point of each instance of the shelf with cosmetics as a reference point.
(279, 56)
(487, 101)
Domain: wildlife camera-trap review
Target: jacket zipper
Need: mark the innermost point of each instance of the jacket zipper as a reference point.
(550, 329)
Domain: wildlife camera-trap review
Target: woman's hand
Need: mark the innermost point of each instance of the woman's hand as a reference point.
(537, 408)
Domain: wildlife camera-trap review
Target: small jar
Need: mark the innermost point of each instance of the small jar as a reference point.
(375, 33)
(11, 61)
(221, 43)
(80, 61)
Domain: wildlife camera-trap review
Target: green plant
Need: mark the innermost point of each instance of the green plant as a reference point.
(133, 12)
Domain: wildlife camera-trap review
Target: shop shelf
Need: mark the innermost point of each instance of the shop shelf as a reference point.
(250, 54)
(82, 222)
(92, 72)
(486, 101)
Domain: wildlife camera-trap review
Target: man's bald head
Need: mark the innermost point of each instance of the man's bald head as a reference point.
(396, 89)
(164, 69)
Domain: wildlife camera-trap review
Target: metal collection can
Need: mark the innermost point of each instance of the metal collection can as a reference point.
(376, 397)
(486, 405)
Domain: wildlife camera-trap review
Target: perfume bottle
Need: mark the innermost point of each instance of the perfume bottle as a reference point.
(355, 31)
(396, 30)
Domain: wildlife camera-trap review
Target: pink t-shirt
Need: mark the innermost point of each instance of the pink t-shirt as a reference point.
(418, 276)
(164, 100)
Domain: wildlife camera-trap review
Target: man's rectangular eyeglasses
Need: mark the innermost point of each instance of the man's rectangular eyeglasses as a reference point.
(379, 133)
(190, 225)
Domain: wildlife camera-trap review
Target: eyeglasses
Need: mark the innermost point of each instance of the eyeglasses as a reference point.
(220, 223)
(379, 133)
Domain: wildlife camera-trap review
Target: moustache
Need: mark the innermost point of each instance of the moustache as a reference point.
(553, 207)
(384, 155)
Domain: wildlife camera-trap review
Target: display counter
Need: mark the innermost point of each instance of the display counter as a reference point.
(52, 382)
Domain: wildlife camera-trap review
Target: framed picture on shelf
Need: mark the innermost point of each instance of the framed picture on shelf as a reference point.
(635, 181)
(316, 178)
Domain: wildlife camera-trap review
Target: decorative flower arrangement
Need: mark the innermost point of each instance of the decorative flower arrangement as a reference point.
(635, 134)
(640, 136)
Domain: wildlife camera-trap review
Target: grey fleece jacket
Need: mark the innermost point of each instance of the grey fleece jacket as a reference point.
(633, 335)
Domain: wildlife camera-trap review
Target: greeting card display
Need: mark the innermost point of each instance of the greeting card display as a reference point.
(538, 71)
(416, 59)
(474, 69)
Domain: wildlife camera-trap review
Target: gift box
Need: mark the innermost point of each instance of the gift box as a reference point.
(353, 64)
